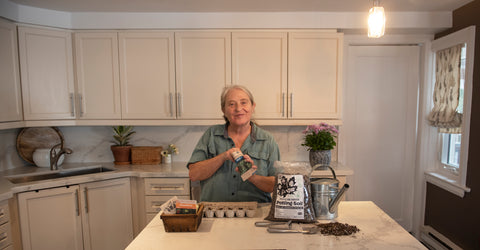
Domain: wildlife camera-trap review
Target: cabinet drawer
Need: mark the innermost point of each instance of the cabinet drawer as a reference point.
(4, 212)
(5, 235)
(167, 186)
(153, 203)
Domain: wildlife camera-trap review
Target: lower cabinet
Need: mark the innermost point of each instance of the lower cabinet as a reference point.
(95, 215)
(5, 231)
(160, 190)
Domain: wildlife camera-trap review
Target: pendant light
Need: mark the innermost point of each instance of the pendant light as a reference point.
(376, 21)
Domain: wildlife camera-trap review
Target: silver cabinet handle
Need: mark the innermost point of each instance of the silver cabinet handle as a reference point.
(85, 192)
(179, 104)
(283, 104)
(291, 104)
(167, 188)
(77, 206)
(170, 96)
(80, 106)
(72, 105)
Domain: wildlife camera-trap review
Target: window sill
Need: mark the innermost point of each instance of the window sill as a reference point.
(448, 184)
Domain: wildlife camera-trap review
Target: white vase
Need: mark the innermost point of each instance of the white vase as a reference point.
(167, 159)
(41, 157)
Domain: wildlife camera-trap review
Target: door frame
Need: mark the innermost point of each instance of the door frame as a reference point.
(424, 42)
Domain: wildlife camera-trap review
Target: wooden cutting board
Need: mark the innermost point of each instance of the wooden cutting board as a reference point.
(29, 139)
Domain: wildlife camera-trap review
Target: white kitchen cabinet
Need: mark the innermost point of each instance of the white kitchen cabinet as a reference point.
(50, 219)
(10, 91)
(46, 68)
(259, 62)
(106, 214)
(94, 215)
(5, 226)
(160, 190)
(203, 69)
(97, 72)
(314, 75)
(147, 75)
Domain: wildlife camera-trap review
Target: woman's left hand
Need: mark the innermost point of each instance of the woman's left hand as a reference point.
(248, 159)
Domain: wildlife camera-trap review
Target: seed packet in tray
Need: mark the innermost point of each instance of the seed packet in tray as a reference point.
(292, 200)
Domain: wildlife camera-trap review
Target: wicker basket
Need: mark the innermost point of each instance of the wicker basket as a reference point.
(146, 155)
(183, 222)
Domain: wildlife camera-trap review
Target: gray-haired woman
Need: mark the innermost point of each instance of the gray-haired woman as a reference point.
(212, 164)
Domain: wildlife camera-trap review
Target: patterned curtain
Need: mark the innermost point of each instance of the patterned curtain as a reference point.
(444, 114)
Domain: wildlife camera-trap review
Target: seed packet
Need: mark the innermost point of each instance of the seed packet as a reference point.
(292, 200)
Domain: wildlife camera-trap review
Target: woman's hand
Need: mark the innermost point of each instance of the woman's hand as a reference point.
(248, 159)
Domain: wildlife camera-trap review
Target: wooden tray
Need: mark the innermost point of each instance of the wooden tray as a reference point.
(183, 222)
(30, 139)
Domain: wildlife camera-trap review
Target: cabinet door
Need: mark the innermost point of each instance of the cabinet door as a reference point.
(50, 219)
(147, 75)
(107, 214)
(98, 85)
(11, 102)
(259, 62)
(203, 69)
(46, 68)
(314, 75)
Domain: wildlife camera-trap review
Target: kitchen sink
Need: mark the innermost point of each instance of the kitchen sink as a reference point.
(58, 174)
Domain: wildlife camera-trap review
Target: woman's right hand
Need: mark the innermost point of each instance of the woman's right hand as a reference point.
(228, 154)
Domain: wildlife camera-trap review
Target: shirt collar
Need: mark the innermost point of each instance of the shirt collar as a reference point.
(254, 135)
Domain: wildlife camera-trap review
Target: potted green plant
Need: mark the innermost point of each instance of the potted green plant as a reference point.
(122, 149)
(320, 140)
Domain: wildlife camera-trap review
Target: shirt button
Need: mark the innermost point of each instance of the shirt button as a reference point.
(234, 176)
(233, 193)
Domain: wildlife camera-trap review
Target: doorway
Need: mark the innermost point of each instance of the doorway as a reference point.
(380, 126)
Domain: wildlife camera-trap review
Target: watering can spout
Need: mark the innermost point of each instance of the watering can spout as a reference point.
(333, 205)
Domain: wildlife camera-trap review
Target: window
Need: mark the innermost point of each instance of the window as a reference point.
(451, 143)
(450, 168)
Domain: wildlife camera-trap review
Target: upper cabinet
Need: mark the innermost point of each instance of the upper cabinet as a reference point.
(46, 67)
(259, 62)
(147, 75)
(314, 75)
(98, 85)
(313, 87)
(203, 69)
(10, 91)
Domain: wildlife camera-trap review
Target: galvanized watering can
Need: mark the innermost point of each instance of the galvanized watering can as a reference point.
(326, 196)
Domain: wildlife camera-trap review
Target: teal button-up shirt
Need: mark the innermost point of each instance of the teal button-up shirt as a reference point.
(226, 184)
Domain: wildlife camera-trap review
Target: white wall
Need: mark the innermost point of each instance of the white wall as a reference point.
(430, 22)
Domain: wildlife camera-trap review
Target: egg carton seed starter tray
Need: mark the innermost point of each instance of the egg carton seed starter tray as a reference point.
(248, 205)
(230, 209)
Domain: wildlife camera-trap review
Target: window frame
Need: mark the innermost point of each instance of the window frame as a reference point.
(437, 174)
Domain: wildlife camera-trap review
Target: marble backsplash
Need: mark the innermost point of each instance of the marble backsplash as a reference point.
(92, 143)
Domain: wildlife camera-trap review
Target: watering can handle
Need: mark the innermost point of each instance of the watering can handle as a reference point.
(331, 169)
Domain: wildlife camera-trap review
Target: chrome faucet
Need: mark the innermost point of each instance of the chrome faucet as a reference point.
(54, 155)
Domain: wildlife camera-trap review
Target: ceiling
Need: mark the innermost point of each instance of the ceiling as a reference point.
(242, 5)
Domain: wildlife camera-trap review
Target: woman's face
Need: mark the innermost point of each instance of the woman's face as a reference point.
(238, 107)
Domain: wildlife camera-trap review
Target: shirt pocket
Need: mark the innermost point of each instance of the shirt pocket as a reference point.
(261, 161)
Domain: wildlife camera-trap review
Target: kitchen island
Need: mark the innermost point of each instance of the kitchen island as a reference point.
(377, 231)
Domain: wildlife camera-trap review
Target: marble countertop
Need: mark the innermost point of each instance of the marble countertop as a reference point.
(377, 231)
(8, 189)
(340, 170)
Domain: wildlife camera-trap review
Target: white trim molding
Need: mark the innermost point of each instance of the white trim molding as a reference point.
(446, 183)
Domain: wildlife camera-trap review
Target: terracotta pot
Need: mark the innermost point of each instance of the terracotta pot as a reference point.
(121, 154)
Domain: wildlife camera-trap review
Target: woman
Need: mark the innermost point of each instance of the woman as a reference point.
(212, 164)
